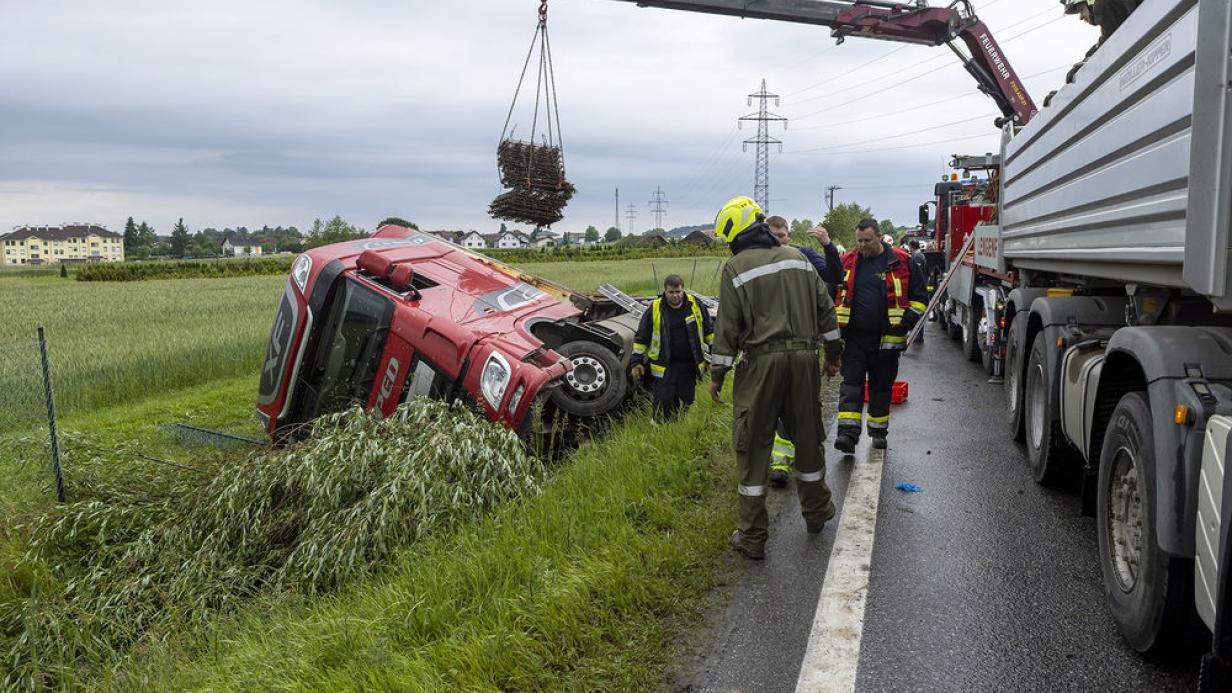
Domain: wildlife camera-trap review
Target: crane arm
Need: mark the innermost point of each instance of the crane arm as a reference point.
(904, 22)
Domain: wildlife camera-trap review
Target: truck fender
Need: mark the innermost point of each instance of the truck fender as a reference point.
(1062, 316)
(1172, 364)
(1019, 301)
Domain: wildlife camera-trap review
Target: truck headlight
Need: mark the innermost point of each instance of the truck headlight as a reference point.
(494, 379)
(300, 270)
(516, 398)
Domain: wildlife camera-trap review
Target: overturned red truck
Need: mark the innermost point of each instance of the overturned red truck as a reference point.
(375, 321)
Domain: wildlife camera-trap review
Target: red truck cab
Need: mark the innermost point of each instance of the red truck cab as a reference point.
(374, 321)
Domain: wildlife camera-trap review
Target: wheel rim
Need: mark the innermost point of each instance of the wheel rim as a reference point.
(966, 326)
(588, 378)
(1035, 408)
(1011, 379)
(1125, 513)
(981, 332)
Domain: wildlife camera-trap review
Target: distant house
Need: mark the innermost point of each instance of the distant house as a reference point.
(509, 239)
(472, 239)
(542, 238)
(236, 247)
(700, 237)
(43, 245)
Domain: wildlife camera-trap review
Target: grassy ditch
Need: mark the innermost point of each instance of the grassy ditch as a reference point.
(147, 549)
(583, 586)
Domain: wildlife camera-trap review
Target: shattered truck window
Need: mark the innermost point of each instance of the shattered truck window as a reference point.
(342, 367)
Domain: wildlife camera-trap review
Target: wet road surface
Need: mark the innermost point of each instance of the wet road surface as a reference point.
(982, 581)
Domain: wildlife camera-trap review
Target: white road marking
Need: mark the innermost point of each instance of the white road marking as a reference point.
(833, 654)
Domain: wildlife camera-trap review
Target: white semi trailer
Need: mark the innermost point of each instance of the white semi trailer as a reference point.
(1116, 318)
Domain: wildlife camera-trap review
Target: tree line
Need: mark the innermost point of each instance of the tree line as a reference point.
(141, 241)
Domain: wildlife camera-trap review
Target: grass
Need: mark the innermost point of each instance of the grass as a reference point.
(113, 343)
(635, 277)
(581, 587)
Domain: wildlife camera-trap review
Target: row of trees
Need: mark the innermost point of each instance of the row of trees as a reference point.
(141, 242)
(841, 223)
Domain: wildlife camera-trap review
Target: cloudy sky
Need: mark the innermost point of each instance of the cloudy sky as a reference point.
(232, 113)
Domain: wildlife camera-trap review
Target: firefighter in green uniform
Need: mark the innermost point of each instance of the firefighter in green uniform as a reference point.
(775, 314)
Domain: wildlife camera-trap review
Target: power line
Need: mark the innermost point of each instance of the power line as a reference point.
(891, 137)
(658, 206)
(763, 140)
(631, 215)
(934, 59)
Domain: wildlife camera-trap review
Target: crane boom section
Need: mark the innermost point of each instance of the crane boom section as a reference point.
(892, 21)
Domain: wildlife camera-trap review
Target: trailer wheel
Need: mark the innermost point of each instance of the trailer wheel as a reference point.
(1046, 449)
(970, 330)
(1013, 384)
(597, 382)
(1148, 591)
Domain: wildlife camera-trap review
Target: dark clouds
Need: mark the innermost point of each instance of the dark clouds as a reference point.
(231, 113)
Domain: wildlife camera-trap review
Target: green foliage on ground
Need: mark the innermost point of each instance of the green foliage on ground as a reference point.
(184, 269)
(146, 548)
(585, 586)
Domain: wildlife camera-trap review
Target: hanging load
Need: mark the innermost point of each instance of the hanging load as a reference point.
(533, 169)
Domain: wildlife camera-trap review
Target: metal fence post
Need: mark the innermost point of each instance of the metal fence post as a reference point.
(51, 416)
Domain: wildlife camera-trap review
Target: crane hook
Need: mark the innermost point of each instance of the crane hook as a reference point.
(543, 12)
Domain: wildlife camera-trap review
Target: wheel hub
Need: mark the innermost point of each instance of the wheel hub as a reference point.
(1125, 520)
(588, 377)
(1035, 407)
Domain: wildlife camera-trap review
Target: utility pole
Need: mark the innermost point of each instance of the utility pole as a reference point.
(763, 118)
(830, 196)
(658, 206)
(631, 215)
(617, 224)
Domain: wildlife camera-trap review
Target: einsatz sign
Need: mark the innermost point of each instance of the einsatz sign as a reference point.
(988, 248)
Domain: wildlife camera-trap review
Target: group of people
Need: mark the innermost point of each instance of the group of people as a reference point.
(779, 306)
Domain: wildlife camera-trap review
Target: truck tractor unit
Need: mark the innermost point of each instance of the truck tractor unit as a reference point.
(375, 321)
(1097, 288)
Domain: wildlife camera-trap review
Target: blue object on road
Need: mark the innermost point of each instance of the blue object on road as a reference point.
(909, 488)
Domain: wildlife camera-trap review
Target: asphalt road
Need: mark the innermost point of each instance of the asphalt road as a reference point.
(983, 581)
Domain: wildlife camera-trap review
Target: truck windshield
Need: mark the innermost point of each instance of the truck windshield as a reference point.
(344, 352)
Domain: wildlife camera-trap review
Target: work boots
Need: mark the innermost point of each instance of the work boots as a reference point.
(880, 443)
(738, 543)
(845, 443)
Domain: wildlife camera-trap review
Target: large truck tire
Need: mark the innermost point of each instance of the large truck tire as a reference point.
(596, 385)
(1013, 383)
(970, 332)
(1050, 458)
(1148, 591)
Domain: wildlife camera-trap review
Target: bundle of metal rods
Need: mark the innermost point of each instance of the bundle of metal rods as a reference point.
(535, 176)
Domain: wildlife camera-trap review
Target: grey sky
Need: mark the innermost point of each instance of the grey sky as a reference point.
(239, 113)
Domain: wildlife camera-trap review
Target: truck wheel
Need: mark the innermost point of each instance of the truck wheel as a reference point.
(970, 330)
(597, 382)
(1148, 591)
(953, 322)
(1046, 448)
(1013, 386)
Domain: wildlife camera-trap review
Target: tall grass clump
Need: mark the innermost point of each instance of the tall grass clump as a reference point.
(148, 549)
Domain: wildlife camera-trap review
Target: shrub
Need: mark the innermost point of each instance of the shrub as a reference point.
(183, 269)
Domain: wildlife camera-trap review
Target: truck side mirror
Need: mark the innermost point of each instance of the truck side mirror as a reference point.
(924, 214)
